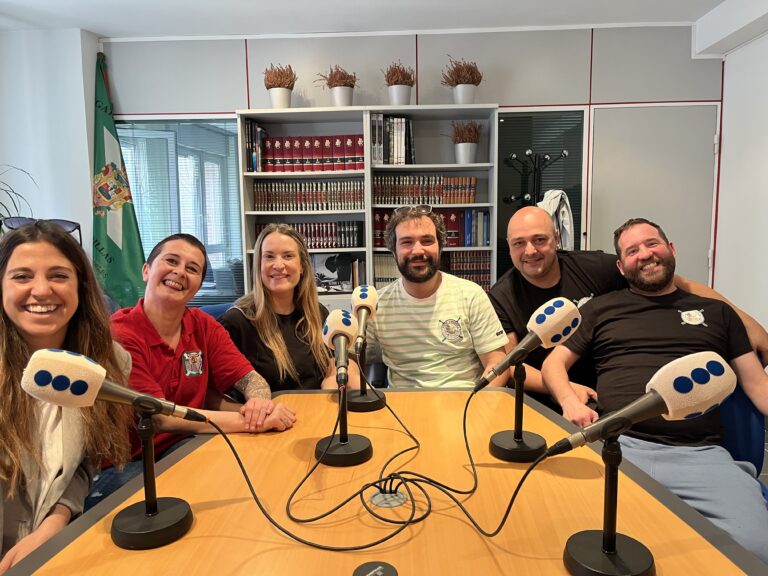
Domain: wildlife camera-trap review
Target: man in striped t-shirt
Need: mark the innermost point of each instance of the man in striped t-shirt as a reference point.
(434, 329)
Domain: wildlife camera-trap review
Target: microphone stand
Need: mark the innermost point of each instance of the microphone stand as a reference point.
(517, 445)
(343, 449)
(156, 521)
(361, 400)
(606, 553)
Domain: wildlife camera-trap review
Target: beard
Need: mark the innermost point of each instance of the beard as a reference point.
(418, 277)
(636, 279)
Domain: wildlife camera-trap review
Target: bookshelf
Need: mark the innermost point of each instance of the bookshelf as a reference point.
(335, 207)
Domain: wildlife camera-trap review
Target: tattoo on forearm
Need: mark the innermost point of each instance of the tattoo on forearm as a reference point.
(253, 385)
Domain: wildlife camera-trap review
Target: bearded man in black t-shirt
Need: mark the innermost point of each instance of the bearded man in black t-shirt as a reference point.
(541, 272)
(630, 334)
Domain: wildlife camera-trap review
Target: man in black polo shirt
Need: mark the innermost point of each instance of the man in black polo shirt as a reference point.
(630, 334)
(541, 272)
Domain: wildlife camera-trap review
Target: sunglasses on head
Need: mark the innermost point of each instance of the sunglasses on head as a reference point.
(420, 209)
(15, 222)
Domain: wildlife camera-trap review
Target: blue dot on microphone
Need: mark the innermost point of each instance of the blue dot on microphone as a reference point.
(556, 338)
(43, 377)
(60, 383)
(346, 321)
(55, 350)
(79, 387)
(541, 318)
(682, 384)
(549, 310)
(575, 323)
(700, 375)
(715, 368)
(363, 295)
(325, 329)
(566, 330)
(692, 415)
(558, 303)
(363, 288)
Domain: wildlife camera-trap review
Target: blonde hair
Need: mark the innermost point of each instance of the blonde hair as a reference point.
(105, 425)
(257, 307)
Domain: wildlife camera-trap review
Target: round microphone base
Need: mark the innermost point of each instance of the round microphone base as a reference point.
(584, 556)
(356, 450)
(368, 402)
(133, 529)
(504, 446)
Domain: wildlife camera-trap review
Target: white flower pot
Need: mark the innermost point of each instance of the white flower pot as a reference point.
(280, 97)
(341, 96)
(399, 95)
(464, 94)
(466, 152)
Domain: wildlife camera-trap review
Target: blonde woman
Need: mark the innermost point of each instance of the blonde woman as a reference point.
(278, 325)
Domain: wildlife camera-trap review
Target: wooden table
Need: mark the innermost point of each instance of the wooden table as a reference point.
(562, 496)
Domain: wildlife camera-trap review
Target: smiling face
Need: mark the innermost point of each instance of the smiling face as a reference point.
(40, 294)
(646, 260)
(533, 246)
(281, 267)
(416, 249)
(176, 274)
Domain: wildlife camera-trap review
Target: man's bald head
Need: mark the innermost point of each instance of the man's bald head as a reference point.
(533, 246)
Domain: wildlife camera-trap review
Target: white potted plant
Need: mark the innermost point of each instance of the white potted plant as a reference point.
(341, 84)
(463, 78)
(400, 80)
(466, 136)
(279, 81)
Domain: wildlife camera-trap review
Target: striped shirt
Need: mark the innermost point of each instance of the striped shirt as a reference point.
(435, 341)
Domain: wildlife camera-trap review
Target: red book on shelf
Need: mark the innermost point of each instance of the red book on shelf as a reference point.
(277, 154)
(306, 153)
(317, 153)
(296, 148)
(288, 154)
(327, 153)
(268, 158)
(452, 219)
(338, 152)
(349, 152)
(359, 152)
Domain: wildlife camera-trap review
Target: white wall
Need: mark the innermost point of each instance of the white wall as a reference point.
(46, 114)
(740, 260)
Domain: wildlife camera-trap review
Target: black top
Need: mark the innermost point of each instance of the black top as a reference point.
(630, 337)
(583, 275)
(244, 336)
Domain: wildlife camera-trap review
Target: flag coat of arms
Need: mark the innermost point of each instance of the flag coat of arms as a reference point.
(117, 252)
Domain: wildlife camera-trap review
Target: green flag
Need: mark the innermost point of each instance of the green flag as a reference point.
(117, 253)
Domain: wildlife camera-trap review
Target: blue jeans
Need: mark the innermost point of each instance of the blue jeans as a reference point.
(110, 479)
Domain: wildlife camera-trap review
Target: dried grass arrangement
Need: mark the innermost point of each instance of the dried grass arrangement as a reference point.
(397, 74)
(337, 76)
(466, 132)
(461, 72)
(280, 77)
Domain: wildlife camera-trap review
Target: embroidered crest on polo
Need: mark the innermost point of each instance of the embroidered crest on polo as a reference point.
(193, 363)
(581, 301)
(451, 330)
(693, 317)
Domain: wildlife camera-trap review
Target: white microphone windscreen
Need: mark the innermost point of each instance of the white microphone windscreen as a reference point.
(339, 322)
(693, 385)
(554, 321)
(365, 297)
(63, 378)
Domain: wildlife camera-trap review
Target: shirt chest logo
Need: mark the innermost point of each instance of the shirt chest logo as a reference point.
(451, 330)
(693, 317)
(581, 301)
(193, 363)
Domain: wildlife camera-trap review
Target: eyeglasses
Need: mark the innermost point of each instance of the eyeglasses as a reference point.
(15, 222)
(420, 209)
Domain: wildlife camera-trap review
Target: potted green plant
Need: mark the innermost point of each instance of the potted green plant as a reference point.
(279, 81)
(400, 80)
(464, 78)
(12, 202)
(466, 136)
(341, 84)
